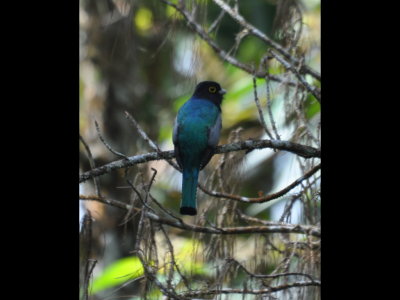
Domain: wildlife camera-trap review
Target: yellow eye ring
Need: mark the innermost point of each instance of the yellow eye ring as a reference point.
(212, 89)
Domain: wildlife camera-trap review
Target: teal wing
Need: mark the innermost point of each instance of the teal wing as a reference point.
(196, 133)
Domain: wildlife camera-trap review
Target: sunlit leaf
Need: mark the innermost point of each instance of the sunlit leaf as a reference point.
(120, 271)
(144, 19)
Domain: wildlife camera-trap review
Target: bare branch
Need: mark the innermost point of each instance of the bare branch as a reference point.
(151, 143)
(171, 251)
(264, 276)
(91, 263)
(88, 263)
(165, 210)
(222, 54)
(312, 89)
(256, 32)
(107, 145)
(254, 292)
(142, 133)
(260, 112)
(131, 161)
(289, 228)
(268, 96)
(151, 274)
(270, 228)
(216, 21)
(301, 150)
(92, 164)
(104, 200)
(263, 198)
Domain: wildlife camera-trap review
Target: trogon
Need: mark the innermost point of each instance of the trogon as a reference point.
(196, 134)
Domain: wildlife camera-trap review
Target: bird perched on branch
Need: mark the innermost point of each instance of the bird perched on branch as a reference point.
(195, 136)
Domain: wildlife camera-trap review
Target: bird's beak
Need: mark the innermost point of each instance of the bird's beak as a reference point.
(222, 91)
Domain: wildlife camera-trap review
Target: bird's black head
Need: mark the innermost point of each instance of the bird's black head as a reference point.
(210, 90)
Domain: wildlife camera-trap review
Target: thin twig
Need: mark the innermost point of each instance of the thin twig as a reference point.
(139, 235)
(107, 145)
(220, 52)
(288, 209)
(92, 164)
(144, 209)
(256, 32)
(150, 184)
(151, 143)
(260, 112)
(141, 132)
(247, 218)
(299, 109)
(150, 273)
(126, 206)
(263, 198)
(263, 276)
(89, 264)
(216, 21)
(140, 225)
(268, 95)
(107, 201)
(144, 203)
(165, 210)
(312, 89)
(171, 251)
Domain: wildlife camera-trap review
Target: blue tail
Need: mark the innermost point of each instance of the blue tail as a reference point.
(189, 188)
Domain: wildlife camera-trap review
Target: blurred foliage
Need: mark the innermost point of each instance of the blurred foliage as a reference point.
(128, 269)
(117, 273)
(139, 56)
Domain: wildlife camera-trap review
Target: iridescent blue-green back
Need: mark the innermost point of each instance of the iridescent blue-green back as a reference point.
(197, 129)
(195, 118)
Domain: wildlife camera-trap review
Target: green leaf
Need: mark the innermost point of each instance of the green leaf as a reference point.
(312, 106)
(119, 272)
(143, 19)
(129, 268)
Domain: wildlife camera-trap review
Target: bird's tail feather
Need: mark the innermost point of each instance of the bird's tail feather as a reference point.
(189, 188)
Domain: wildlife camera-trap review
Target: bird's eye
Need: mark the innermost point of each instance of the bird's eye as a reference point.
(212, 89)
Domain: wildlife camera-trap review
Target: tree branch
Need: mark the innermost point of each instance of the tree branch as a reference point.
(301, 150)
(120, 155)
(260, 112)
(111, 202)
(151, 143)
(312, 89)
(265, 276)
(151, 274)
(263, 198)
(248, 291)
(276, 228)
(197, 28)
(269, 228)
(254, 31)
(91, 163)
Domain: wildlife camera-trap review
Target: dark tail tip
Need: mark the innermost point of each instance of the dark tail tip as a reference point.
(185, 210)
